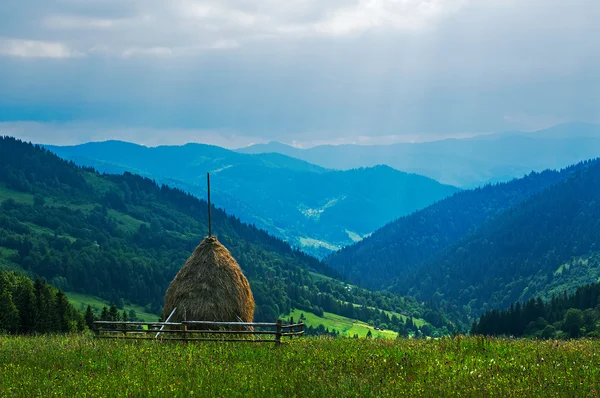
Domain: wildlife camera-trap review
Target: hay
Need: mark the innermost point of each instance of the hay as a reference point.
(210, 287)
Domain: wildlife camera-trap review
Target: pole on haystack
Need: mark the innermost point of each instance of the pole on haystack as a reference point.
(209, 223)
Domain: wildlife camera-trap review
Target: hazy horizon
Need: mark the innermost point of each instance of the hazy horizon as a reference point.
(38, 134)
(233, 73)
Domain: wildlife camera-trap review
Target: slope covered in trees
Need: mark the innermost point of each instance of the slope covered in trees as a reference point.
(125, 237)
(547, 243)
(564, 315)
(404, 244)
(35, 307)
(305, 205)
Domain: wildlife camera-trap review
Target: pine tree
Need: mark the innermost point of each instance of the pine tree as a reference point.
(45, 321)
(132, 316)
(402, 331)
(573, 322)
(104, 315)
(24, 299)
(9, 315)
(89, 317)
(124, 318)
(63, 313)
(113, 313)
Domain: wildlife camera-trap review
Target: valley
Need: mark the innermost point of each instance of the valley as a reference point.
(123, 238)
(304, 204)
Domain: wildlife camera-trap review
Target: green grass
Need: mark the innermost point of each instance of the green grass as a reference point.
(99, 184)
(5, 252)
(81, 366)
(417, 321)
(81, 301)
(5, 255)
(319, 277)
(127, 223)
(346, 326)
(19, 197)
(43, 230)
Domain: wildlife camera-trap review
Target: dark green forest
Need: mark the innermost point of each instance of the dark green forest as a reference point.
(546, 244)
(564, 315)
(123, 237)
(406, 243)
(35, 307)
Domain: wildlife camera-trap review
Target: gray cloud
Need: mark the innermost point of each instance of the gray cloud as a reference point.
(302, 70)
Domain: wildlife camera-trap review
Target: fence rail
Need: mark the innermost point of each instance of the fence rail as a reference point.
(186, 331)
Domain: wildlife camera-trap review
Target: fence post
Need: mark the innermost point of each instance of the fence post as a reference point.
(278, 332)
(185, 332)
(96, 329)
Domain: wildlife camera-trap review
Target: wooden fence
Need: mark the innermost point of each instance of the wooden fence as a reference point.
(248, 332)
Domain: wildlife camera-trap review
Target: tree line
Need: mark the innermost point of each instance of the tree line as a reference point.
(565, 315)
(123, 237)
(28, 307)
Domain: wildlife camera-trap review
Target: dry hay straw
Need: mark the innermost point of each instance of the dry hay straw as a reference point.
(210, 287)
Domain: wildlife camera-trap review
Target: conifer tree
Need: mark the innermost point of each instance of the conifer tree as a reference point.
(104, 315)
(89, 317)
(63, 313)
(125, 319)
(9, 315)
(113, 313)
(45, 322)
(24, 299)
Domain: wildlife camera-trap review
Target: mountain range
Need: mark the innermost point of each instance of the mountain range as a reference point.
(404, 244)
(465, 163)
(546, 244)
(447, 259)
(123, 238)
(313, 208)
(485, 248)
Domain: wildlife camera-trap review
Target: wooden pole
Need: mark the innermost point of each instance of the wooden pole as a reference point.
(278, 332)
(209, 221)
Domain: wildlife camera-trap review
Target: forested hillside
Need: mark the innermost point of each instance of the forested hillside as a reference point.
(123, 237)
(305, 205)
(35, 307)
(404, 244)
(564, 315)
(548, 243)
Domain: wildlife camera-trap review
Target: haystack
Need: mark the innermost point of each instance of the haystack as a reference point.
(210, 287)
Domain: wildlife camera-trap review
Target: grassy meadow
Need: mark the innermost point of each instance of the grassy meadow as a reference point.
(346, 326)
(81, 301)
(83, 366)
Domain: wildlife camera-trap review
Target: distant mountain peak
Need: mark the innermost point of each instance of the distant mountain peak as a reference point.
(570, 130)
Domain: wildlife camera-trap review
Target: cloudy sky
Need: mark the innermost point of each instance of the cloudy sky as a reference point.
(235, 72)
